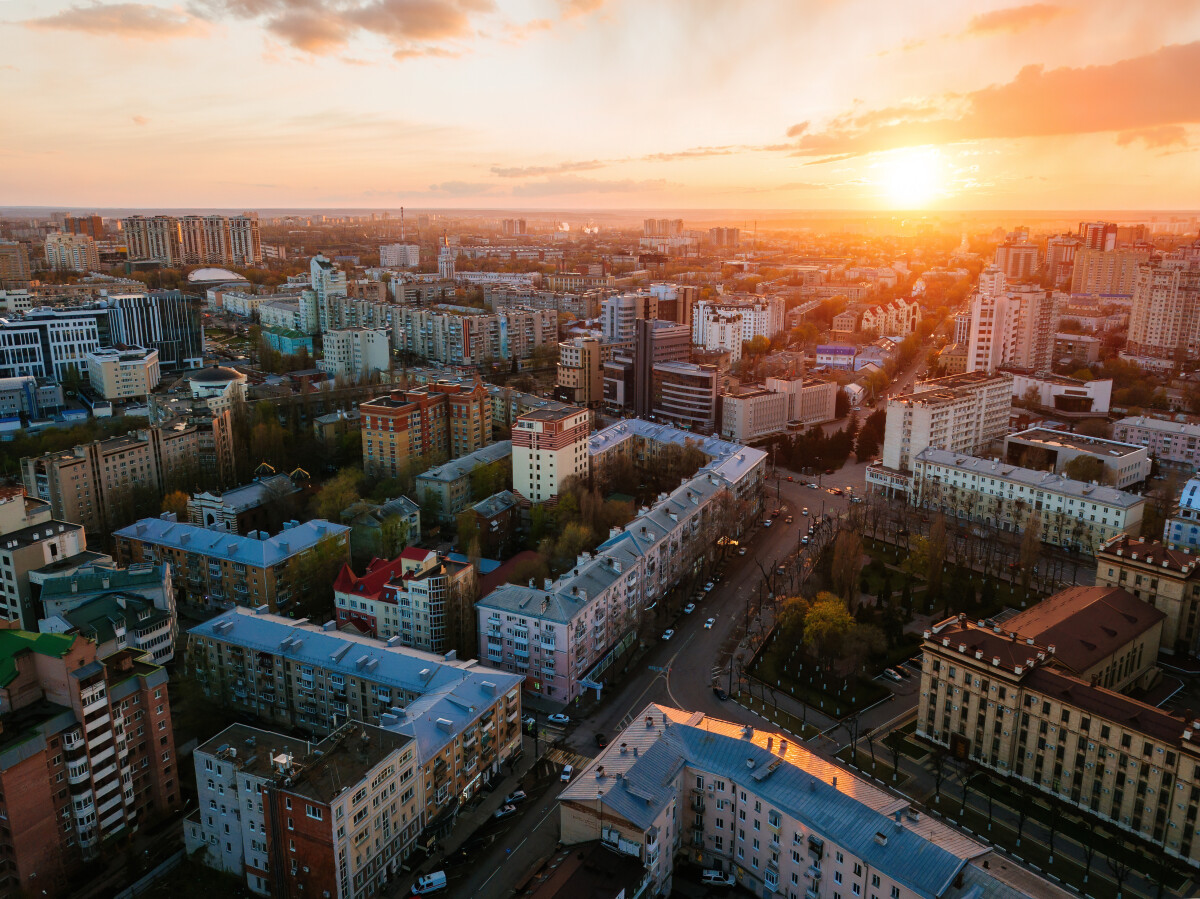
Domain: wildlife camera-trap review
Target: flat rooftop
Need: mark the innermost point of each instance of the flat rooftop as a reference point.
(1081, 442)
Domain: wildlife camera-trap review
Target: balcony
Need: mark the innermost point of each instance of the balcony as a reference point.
(92, 726)
(78, 774)
(697, 804)
(73, 740)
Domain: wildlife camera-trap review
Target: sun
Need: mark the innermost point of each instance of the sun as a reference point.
(912, 178)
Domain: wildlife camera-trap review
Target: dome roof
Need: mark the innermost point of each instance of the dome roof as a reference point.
(215, 374)
(204, 275)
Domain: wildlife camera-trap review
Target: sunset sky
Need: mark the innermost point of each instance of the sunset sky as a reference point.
(592, 104)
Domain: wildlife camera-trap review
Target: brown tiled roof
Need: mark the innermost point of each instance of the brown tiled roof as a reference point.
(1011, 652)
(1149, 552)
(1085, 624)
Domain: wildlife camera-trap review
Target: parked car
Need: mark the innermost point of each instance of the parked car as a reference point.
(689, 608)
(514, 797)
(741, 550)
(709, 586)
(789, 478)
(601, 740)
(856, 499)
(567, 772)
(768, 523)
(708, 624)
(804, 512)
(828, 471)
(717, 877)
(429, 883)
(669, 633)
(788, 520)
(804, 540)
(720, 694)
(504, 811)
(891, 674)
(814, 485)
(558, 718)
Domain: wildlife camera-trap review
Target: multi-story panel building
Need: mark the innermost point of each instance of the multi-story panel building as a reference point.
(356, 352)
(446, 488)
(1018, 259)
(1066, 512)
(549, 445)
(1175, 443)
(760, 807)
(337, 817)
(620, 313)
(1018, 705)
(217, 570)
(422, 597)
(93, 483)
(1166, 578)
(753, 413)
(1124, 464)
(87, 752)
(194, 239)
(120, 374)
(1164, 322)
(91, 225)
(157, 238)
(72, 252)
(399, 255)
(1106, 272)
(418, 427)
(580, 372)
(963, 413)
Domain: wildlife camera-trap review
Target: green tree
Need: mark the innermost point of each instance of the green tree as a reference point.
(393, 536)
(1086, 468)
(826, 624)
(316, 571)
(338, 494)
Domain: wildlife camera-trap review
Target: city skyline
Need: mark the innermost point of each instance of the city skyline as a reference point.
(534, 105)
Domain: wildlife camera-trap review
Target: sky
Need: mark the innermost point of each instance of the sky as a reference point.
(601, 104)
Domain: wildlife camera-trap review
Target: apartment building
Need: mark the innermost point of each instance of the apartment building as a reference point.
(399, 255)
(1175, 443)
(465, 335)
(217, 570)
(1070, 513)
(1038, 700)
(423, 425)
(582, 306)
(421, 597)
(72, 252)
(1125, 464)
(963, 413)
(760, 316)
(1182, 530)
(1011, 327)
(759, 806)
(549, 445)
(1166, 578)
(580, 372)
(123, 373)
(93, 483)
(117, 621)
(446, 488)
(1164, 322)
(752, 413)
(1101, 272)
(87, 752)
(899, 318)
(14, 264)
(356, 352)
(194, 239)
(30, 539)
(294, 818)
(810, 401)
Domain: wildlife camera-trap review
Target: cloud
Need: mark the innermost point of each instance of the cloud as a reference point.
(531, 171)
(571, 184)
(140, 120)
(575, 8)
(1131, 95)
(1156, 137)
(318, 27)
(1013, 19)
(461, 188)
(693, 153)
(127, 20)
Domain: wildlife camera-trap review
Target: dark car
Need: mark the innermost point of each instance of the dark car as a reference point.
(601, 740)
(720, 694)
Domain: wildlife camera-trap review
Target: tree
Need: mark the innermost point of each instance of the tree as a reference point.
(393, 536)
(176, 501)
(867, 445)
(841, 404)
(1031, 547)
(338, 494)
(825, 626)
(940, 764)
(1119, 867)
(936, 554)
(1086, 468)
(847, 563)
(316, 571)
(1094, 427)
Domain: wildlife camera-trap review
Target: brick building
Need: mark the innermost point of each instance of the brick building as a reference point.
(424, 425)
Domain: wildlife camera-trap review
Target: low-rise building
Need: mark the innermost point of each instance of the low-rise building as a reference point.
(760, 807)
(446, 488)
(836, 356)
(260, 505)
(287, 341)
(217, 570)
(1124, 464)
(1067, 512)
(1167, 579)
(1065, 397)
(496, 519)
(117, 621)
(1081, 349)
(752, 413)
(123, 373)
(421, 597)
(1171, 442)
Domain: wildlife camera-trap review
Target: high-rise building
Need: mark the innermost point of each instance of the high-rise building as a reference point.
(1164, 322)
(447, 256)
(662, 228)
(580, 372)
(675, 302)
(163, 320)
(322, 306)
(14, 264)
(1011, 327)
(96, 755)
(724, 237)
(72, 252)
(514, 227)
(91, 225)
(1106, 272)
(655, 342)
(686, 395)
(549, 445)
(53, 342)
(356, 352)
(620, 313)
(194, 239)
(1060, 258)
(422, 426)
(1098, 235)
(399, 255)
(1018, 259)
(157, 238)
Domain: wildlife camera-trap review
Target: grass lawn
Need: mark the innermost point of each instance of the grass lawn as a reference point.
(907, 745)
(778, 667)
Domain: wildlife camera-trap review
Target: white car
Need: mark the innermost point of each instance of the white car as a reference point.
(741, 550)
(567, 772)
(717, 877)
(709, 586)
(558, 718)
(668, 633)
(892, 675)
(708, 624)
(768, 523)
(689, 608)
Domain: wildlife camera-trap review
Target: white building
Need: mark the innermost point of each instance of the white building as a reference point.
(549, 445)
(1070, 513)
(283, 314)
(447, 256)
(356, 352)
(119, 374)
(781, 820)
(321, 305)
(899, 318)
(753, 413)
(48, 343)
(218, 387)
(399, 255)
(810, 401)
(1182, 530)
(72, 252)
(760, 316)
(244, 305)
(1067, 397)
(1011, 327)
(723, 332)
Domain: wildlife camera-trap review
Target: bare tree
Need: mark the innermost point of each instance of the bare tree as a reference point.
(1120, 870)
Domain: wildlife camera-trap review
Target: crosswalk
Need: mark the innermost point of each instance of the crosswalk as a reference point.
(566, 757)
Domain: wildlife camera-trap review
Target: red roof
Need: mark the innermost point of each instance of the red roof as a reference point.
(415, 553)
(498, 576)
(378, 573)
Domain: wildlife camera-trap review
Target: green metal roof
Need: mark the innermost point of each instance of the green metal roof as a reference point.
(12, 643)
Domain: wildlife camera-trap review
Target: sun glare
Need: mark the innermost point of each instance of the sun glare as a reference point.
(912, 178)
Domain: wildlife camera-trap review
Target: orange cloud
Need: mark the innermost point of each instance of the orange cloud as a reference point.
(534, 171)
(1155, 138)
(1127, 96)
(127, 20)
(1013, 19)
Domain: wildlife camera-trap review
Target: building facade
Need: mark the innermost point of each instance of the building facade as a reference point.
(1175, 443)
(1124, 464)
(1182, 530)
(446, 488)
(752, 414)
(121, 374)
(1164, 322)
(72, 252)
(580, 372)
(1167, 579)
(356, 352)
(549, 445)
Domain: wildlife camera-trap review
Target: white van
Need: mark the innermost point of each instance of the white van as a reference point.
(717, 877)
(430, 883)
